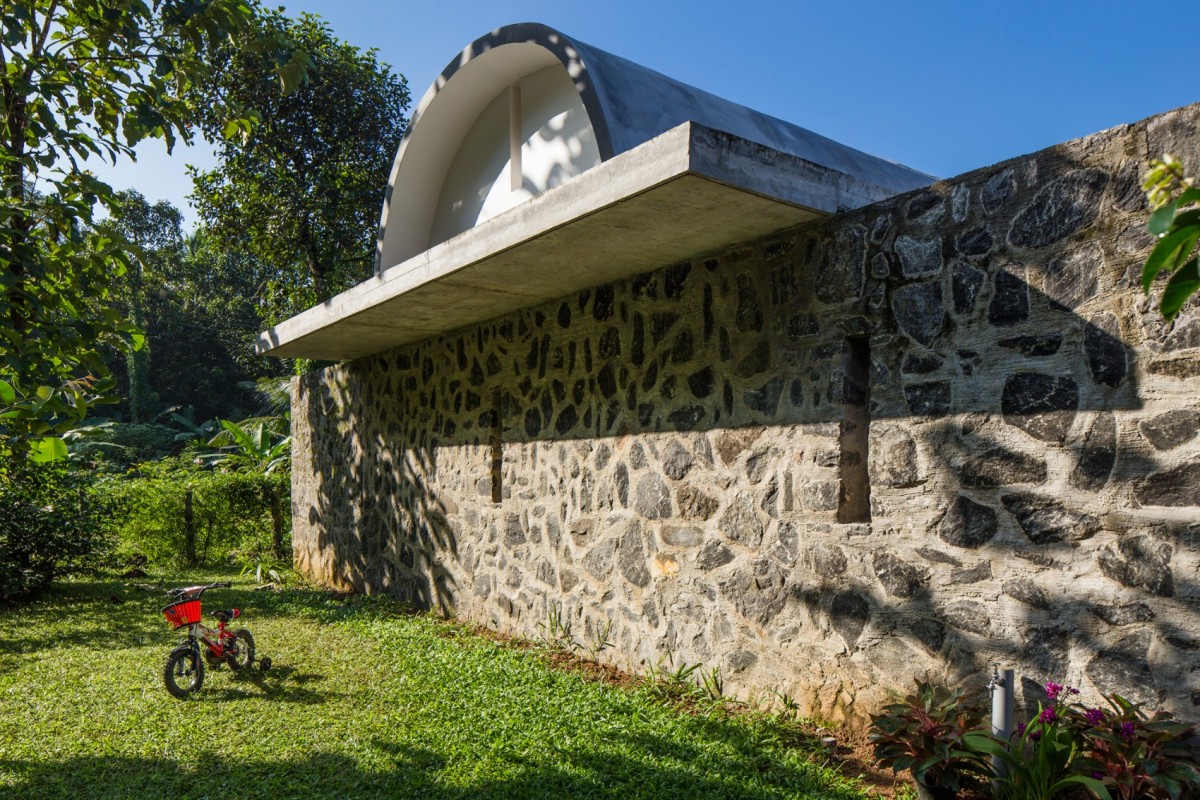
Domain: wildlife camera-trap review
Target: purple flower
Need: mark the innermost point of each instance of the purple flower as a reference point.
(1126, 730)
(1094, 716)
(1048, 715)
(1097, 774)
(1053, 690)
(1020, 729)
(1036, 735)
(1072, 690)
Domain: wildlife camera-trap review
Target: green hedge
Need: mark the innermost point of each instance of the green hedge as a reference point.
(231, 513)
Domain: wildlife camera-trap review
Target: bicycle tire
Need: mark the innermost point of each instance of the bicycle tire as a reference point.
(183, 671)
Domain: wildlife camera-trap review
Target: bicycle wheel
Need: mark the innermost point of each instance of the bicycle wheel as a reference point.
(244, 656)
(183, 671)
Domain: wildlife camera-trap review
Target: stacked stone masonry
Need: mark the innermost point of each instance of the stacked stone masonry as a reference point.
(665, 453)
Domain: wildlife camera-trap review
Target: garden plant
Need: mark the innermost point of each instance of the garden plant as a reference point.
(1176, 223)
(1068, 749)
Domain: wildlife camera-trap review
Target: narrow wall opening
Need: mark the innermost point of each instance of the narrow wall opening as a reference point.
(854, 501)
(496, 439)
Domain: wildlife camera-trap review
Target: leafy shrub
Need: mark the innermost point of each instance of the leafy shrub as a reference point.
(135, 442)
(54, 521)
(231, 512)
(926, 733)
(1066, 749)
(1176, 224)
(1135, 754)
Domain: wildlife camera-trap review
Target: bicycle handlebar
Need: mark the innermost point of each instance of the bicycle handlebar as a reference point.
(199, 590)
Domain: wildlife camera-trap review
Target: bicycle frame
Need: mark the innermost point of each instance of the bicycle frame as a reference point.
(219, 641)
(224, 642)
(183, 670)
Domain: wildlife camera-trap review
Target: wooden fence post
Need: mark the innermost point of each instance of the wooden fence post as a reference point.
(189, 530)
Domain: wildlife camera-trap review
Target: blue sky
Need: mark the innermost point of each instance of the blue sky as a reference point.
(943, 87)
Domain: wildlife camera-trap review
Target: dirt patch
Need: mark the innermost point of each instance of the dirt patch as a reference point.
(855, 757)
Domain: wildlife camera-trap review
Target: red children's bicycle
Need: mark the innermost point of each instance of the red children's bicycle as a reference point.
(183, 672)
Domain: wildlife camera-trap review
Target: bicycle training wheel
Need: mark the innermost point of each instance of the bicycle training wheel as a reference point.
(244, 656)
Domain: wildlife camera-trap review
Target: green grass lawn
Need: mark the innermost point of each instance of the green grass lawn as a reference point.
(363, 701)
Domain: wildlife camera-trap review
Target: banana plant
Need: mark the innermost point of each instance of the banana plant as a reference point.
(190, 431)
(252, 444)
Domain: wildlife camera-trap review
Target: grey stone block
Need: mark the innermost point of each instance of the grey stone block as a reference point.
(1172, 429)
(967, 524)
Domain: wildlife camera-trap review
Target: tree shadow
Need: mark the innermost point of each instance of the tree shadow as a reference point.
(120, 618)
(394, 546)
(402, 770)
(281, 684)
(663, 453)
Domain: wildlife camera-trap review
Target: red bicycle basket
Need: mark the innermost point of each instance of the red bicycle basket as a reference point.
(185, 612)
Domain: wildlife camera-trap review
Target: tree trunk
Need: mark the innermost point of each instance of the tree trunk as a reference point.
(312, 259)
(18, 224)
(138, 361)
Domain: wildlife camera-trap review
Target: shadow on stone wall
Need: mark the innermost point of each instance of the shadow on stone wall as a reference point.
(1137, 637)
(1010, 348)
(364, 542)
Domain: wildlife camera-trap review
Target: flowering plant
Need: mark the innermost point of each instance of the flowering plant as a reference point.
(1176, 224)
(1042, 760)
(1135, 754)
(1067, 749)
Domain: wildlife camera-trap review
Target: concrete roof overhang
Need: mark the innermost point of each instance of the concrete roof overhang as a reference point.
(686, 192)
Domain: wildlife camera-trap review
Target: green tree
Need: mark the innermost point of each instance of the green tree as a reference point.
(81, 79)
(203, 321)
(1176, 223)
(200, 307)
(303, 191)
(156, 230)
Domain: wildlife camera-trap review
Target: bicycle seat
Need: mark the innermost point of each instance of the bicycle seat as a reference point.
(226, 615)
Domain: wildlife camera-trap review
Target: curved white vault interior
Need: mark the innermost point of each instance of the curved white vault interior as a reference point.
(461, 166)
(537, 165)
(533, 136)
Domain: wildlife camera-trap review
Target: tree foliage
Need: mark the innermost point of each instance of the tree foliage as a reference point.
(53, 521)
(1176, 223)
(302, 191)
(200, 307)
(84, 79)
(156, 231)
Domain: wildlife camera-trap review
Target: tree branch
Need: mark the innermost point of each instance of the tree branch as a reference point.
(39, 45)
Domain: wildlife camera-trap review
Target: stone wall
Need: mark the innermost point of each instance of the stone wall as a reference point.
(680, 455)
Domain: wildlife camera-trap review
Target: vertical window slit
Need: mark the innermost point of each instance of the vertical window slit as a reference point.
(854, 501)
(497, 450)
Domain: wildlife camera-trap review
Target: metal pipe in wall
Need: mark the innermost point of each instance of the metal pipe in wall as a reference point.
(1001, 687)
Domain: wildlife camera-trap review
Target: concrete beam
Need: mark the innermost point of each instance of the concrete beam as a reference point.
(684, 193)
